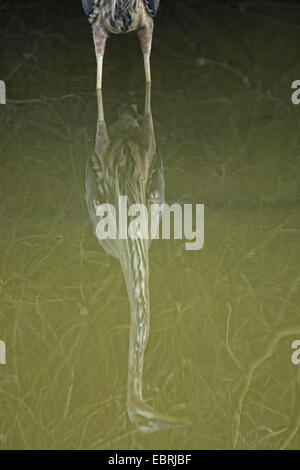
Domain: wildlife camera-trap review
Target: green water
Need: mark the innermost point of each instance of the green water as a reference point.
(223, 319)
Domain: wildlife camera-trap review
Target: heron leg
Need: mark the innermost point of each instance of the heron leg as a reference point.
(100, 41)
(145, 36)
(147, 68)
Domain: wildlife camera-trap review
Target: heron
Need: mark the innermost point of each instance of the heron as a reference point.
(126, 162)
(118, 17)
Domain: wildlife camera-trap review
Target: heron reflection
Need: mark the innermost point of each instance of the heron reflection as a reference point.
(125, 163)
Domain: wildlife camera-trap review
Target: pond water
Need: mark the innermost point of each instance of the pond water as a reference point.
(223, 319)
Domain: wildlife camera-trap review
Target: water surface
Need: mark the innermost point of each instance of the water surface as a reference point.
(222, 319)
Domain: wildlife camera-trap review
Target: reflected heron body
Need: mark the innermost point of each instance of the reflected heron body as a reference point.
(125, 162)
(118, 17)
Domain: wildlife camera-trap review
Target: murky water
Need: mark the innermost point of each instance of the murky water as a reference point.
(222, 319)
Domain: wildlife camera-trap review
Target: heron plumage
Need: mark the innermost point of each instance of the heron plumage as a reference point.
(88, 6)
(117, 17)
(152, 7)
(92, 7)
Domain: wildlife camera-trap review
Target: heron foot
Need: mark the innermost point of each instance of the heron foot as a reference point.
(147, 420)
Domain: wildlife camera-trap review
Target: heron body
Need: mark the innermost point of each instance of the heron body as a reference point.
(118, 17)
(125, 162)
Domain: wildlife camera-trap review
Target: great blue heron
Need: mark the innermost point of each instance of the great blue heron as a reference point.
(125, 162)
(117, 17)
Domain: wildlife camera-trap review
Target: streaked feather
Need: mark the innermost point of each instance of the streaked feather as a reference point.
(91, 7)
(152, 6)
(88, 6)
